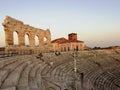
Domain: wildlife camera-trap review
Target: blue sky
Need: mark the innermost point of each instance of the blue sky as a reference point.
(97, 22)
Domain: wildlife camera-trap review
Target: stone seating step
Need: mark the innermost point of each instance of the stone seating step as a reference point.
(6, 70)
(38, 75)
(10, 60)
(12, 66)
(52, 83)
(6, 62)
(32, 77)
(3, 75)
(23, 81)
(9, 88)
(22, 88)
(13, 77)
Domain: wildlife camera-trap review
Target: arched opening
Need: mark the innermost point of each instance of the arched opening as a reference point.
(15, 38)
(27, 43)
(36, 41)
(45, 40)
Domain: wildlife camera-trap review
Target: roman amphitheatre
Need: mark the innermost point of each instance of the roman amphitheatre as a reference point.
(40, 68)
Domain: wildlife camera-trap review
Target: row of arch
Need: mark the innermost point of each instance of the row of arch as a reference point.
(27, 39)
(22, 37)
(16, 32)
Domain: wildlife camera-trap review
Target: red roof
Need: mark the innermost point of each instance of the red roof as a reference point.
(64, 40)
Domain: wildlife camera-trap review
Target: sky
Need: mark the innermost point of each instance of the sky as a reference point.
(97, 22)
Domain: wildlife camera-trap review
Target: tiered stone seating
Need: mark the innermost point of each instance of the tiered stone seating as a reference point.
(7, 67)
(32, 77)
(101, 70)
(12, 79)
(23, 81)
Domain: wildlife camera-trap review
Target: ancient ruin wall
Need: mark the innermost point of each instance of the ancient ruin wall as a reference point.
(12, 25)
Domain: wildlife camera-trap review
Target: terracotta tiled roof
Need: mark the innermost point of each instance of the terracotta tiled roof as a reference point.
(64, 40)
(60, 40)
(76, 41)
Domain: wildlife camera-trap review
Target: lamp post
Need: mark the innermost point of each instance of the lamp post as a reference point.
(75, 67)
(81, 75)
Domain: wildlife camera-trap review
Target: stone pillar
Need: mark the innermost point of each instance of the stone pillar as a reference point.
(47, 34)
(21, 38)
(31, 40)
(41, 42)
(8, 37)
(48, 40)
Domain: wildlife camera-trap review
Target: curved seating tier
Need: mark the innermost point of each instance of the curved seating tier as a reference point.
(96, 70)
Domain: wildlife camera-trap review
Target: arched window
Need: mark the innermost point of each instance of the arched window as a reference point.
(15, 38)
(36, 41)
(27, 39)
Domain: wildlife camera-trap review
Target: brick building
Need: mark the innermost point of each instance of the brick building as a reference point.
(70, 44)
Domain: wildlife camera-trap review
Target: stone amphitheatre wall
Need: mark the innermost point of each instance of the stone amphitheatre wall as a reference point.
(12, 25)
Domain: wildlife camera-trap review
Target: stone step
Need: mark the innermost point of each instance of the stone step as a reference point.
(13, 77)
(6, 70)
(3, 75)
(23, 81)
(12, 66)
(38, 75)
(10, 88)
(32, 77)
(22, 88)
(6, 62)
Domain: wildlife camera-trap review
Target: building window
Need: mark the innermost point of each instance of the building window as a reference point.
(77, 48)
(68, 48)
(64, 48)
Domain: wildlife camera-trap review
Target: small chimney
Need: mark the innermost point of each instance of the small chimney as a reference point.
(72, 36)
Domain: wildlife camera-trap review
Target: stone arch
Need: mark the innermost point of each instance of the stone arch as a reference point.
(45, 40)
(36, 40)
(15, 38)
(10, 25)
(47, 36)
(27, 39)
(30, 37)
(40, 38)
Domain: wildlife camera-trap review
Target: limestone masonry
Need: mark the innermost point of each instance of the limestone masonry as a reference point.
(12, 25)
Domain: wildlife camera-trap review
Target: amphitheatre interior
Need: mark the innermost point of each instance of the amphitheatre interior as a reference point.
(71, 70)
(95, 70)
